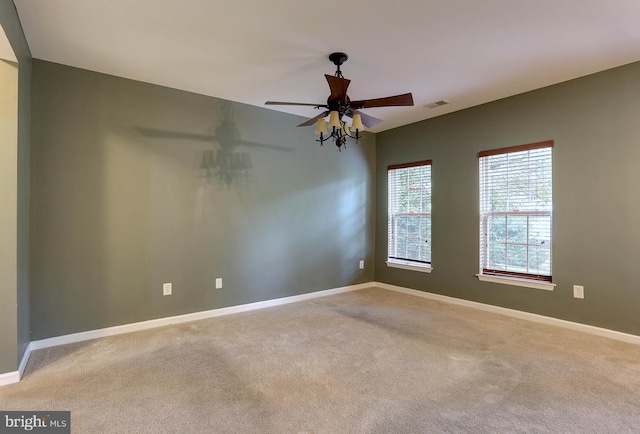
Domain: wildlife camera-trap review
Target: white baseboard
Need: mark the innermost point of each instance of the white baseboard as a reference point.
(15, 376)
(145, 325)
(598, 331)
(9, 378)
(25, 359)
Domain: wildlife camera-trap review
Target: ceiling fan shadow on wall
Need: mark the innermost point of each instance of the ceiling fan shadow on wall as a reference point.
(339, 106)
(228, 164)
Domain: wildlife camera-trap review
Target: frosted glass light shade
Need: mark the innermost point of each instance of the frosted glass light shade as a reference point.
(345, 129)
(357, 123)
(321, 127)
(334, 119)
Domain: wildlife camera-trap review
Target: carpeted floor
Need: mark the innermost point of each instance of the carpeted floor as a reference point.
(368, 361)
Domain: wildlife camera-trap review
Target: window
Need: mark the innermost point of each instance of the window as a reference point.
(409, 230)
(516, 212)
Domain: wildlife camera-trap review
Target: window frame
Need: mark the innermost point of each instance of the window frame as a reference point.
(396, 261)
(512, 277)
(484, 225)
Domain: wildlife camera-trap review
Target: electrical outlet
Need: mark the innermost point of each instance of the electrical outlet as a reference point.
(219, 283)
(166, 289)
(362, 265)
(578, 291)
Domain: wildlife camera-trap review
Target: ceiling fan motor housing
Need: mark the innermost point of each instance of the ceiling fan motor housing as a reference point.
(337, 104)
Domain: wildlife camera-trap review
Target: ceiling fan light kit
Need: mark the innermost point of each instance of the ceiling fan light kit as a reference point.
(339, 107)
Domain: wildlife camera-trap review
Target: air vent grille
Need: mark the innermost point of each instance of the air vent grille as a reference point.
(437, 103)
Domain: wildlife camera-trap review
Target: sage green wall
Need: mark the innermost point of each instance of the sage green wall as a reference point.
(594, 122)
(120, 206)
(14, 194)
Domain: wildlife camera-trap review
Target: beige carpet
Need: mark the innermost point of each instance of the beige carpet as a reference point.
(369, 361)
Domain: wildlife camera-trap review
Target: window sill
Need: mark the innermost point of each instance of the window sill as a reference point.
(527, 283)
(408, 265)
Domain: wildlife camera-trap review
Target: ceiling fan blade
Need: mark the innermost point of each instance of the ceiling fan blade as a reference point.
(406, 99)
(338, 87)
(367, 121)
(293, 103)
(314, 120)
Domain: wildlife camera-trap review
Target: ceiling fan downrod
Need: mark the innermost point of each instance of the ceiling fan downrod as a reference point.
(338, 59)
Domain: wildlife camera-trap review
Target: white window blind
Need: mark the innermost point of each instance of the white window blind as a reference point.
(409, 212)
(516, 211)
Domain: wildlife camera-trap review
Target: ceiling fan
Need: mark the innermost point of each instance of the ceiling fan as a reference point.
(339, 105)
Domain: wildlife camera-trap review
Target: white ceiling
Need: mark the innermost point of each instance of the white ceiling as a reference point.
(465, 51)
